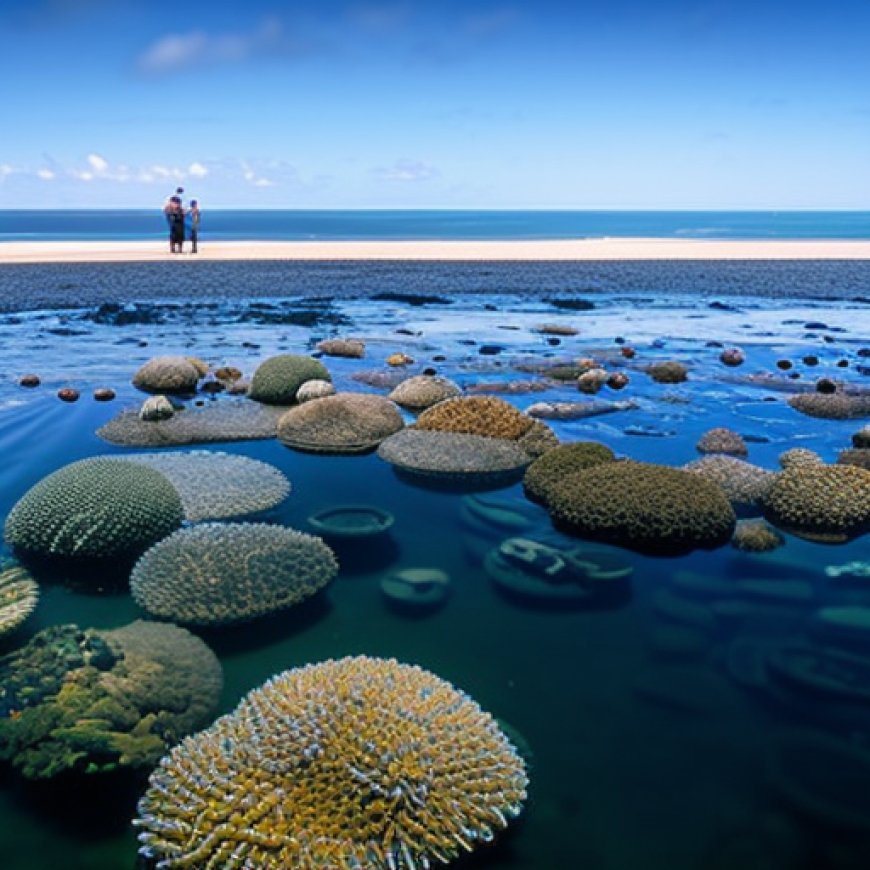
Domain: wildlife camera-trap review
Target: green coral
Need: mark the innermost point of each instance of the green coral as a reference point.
(561, 461)
(647, 507)
(95, 509)
(276, 380)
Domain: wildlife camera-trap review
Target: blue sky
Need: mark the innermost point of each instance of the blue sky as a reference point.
(616, 104)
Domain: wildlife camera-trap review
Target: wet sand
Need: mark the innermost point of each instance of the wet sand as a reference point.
(608, 249)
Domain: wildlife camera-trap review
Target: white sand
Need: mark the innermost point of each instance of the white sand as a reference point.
(564, 250)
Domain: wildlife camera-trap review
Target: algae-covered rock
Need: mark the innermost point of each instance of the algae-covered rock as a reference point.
(277, 380)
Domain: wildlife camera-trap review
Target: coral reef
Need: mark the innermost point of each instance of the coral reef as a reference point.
(756, 536)
(277, 379)
(167, 374)
(647, 507)
(795, 456)
(353, 348)
(826, 503)
(221, 573)
(745, 484)
(343, 423)
(831, 406)
(95, 509)
(93, 701)
(215, 486)
(19, 596)
(561, 461)
(722, 440)
(314, 389)
(358, 763)
(476, 415)
(423, 391)
(668, 372)
(230, 420)
(538, 440)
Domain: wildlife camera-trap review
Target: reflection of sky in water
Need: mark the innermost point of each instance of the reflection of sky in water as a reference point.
(652, 745)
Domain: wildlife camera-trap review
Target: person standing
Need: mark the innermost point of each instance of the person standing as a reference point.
(193, 217)
(174, 212)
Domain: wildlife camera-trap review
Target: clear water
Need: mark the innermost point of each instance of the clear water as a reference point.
(641, 758)
(228, 224)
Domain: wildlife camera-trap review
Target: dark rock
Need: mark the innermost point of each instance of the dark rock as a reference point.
(553, 341)
(783, 364)
(810, 360)
(29, 381)
(816, 324)
(411, 298)
(490, 349)
(571, 304)
(68, 394)
(843, 363)
(722, 306)
(104, 394)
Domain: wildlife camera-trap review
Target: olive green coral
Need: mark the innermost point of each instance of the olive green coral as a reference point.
(277, 379)
(95, 509)
(647, 507)
(561, 461)
(93, 701)
(355, 763)
(827, 503)
(220, 573)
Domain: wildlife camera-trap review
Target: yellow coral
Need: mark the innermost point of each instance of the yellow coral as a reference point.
(356, 763)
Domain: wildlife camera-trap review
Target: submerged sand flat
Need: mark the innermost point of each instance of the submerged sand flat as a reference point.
(566, 250)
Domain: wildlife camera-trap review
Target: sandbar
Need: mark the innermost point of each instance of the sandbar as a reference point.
(564, 250)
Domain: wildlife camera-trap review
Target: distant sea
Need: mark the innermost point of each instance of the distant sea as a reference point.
(295, 225)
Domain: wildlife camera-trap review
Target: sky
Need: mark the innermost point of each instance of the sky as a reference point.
(617, 104)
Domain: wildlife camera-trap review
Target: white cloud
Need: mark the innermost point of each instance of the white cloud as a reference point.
(82, 174)
(6, 170)
(404, 170)
(45, 174)
(98, 163)
(197, 170)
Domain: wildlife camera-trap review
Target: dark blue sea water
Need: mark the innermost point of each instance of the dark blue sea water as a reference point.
(230, 224)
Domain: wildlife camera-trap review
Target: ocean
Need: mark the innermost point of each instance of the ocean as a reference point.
(326, 225)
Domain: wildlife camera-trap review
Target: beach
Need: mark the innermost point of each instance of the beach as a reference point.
(558, 250)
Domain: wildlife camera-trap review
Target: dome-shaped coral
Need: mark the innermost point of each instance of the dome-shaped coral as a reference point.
(353, 348)
(831, 406)
(561, 461)
(19, 596)
(745, 484)
(668, 372)
(343, 423)
(756, 536)
(167, 374)
(722, 440)
(827, 503)
(476, 415)
(795, 456)
(215, 485)
(651, 508)
(315, 389)
(357, 763)
(95, 509)
(423, 391)
(219, 573)
(277, 379)
(93, 700)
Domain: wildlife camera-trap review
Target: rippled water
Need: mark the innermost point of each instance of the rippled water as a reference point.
(646, 752)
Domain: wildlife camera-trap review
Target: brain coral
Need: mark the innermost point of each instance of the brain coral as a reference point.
(669, 372)
(756, 537)
(19, 596)
(95, 509)
(93, 700)
(745, 484)
(559, 463)
(827, 503)
(799, 456)
(651, 508)
(219, 573)
(452, 455)
(216, 485)
(476, 415)
(423, 391)
(167, 374)
(343, 423)
(722, 440)
(356, 763)
(831, 406)
(276, 380)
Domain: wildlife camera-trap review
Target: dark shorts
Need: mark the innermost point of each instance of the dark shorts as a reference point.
(176, 233)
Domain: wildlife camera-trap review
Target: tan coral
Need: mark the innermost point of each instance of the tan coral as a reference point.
(831, 406)
(352, 348)
(795, 456)
(476, 415)
(357, 763)
(19, 596)
(167, 374)
(745, 484)
(423, 391)
(722, 440)
(756, 536)
(668, 372)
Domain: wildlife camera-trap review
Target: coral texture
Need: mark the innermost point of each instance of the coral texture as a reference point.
(669, 372)
(756, 536)
(861, 458)
(167, 374)
(745, 484)
(19, 596)
(423, 391)
(357, 763)
(93, 700)
(652, 508)
(314, 390)
(538, 439)
(831, 406)
(95, 509)
(353, 348)
(795, 456)
(827, 503)
(476, 415)
(558, 463)
(343, 423)
(722, 440)
(219, 573)
(277, 379)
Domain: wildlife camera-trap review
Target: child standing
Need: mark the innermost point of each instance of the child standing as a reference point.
(193, 216)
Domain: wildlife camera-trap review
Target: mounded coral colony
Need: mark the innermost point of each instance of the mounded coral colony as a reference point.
(647, 507)
(357, 763)
(423, 391)
(220, 573)
(169, 374)
(561, 461)
(476, 415)
(95, 509)
(277, 379)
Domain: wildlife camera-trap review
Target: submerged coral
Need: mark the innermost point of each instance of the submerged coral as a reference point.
(220, 573)
(745, 484)
(558, 463)
(423, 391)
(756, 536)
(359, 762)
(343, 423)
(277, 379)
(95, 509)
(19, 596)
(93, 701)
